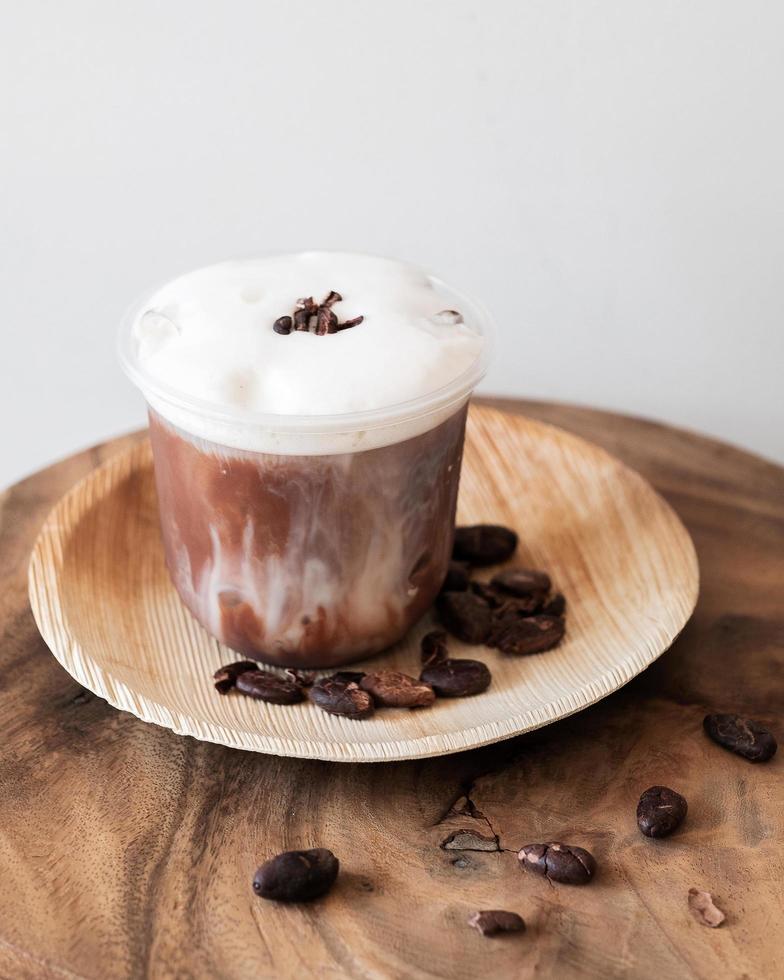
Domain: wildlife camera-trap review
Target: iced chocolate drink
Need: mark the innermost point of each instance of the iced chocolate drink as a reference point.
(307, 416)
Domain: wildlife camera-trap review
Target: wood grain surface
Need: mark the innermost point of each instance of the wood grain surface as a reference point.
(127, 851)
(103, 601)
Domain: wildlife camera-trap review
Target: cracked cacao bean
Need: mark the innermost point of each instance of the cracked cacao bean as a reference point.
(393, 689)
(341, 694)
(521, 636)
(494, 922)
(457, 678)
(660, 811)
(226, 677)
(563, 863)
(266, 686)
(297, 876)
(466, 615)
(742, 736)
(484, 544)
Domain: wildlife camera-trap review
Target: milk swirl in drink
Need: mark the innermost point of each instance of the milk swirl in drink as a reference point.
(307, 481)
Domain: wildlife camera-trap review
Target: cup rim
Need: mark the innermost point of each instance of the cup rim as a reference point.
(162, 394)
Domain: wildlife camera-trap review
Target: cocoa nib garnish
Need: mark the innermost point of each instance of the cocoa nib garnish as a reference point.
(353, 322)
(266, 686)
(341, 694)
(433, 646)
(457, 678)
(226, 677)
(660, 811)
(484, 544)
(316, 316)
(393, 689)
(521, 636)
(741, 735)
(494, 922)
(326, 321)
(564, 863)
(297, 876)
(466, 615)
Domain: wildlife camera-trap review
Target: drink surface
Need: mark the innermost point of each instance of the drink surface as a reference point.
(206, 352)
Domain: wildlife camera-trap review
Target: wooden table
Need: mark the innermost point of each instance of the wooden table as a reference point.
(128, 851)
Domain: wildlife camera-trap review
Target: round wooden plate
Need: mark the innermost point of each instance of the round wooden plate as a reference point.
(103, 602)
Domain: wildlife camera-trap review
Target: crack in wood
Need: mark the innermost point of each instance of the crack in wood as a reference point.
(469, 840)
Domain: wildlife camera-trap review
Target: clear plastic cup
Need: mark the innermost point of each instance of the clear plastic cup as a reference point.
(327, 540)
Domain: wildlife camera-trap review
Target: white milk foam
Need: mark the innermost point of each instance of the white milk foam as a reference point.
(208, 335)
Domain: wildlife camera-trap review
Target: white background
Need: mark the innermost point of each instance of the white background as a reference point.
(606, 176)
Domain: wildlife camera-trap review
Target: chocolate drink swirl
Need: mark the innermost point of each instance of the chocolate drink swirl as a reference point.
(308, 561)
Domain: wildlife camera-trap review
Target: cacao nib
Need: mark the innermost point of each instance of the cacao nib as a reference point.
(704, 909)
(741, 735)
(522, 582)
(520, 636)
(266, 686)
(326, 321)
(660, 811)
(308, 314)
(457, 678)
(393, 689)
(341, 694)
(302, 320)
(297, 876)
(466, 615)
(484, 544)
(495, 922)
(564, 863)
(226, 677)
